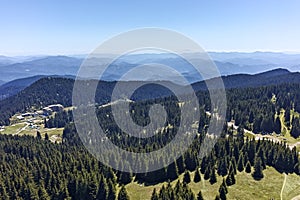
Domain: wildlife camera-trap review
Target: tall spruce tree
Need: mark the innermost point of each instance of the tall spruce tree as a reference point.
(248, 167)
(222, 192)
(240, 166)
(197, 177)
(186, 177)
(199, 196)
(213, 177)
(258, 169)
(102, 189)
(154, 195)
(277, 126)
(123, 194)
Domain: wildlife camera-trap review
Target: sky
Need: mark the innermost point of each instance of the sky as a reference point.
(66, 27)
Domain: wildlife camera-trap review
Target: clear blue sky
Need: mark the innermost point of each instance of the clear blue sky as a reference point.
(72, 27)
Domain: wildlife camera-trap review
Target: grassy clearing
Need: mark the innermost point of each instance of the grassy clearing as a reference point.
(43, 131)
(285, 131)
(24, 129)
(291, 188)
(248, 188)
(13, 128)
(245, 188)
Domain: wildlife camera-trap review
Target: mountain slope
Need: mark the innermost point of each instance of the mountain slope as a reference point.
(13, 87)
(49, 90)
(273, 77)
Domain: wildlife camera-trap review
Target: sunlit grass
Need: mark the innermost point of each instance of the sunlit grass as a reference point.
(245, 188)
(13, 128)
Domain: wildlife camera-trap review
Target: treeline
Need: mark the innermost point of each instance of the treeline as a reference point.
(180, 191)
(60, 119)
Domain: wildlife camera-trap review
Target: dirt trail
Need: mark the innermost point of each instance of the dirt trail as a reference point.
(22, 129)
(283, 185)
(296, 198)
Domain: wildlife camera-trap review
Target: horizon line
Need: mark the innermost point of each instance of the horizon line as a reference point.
(188, 52)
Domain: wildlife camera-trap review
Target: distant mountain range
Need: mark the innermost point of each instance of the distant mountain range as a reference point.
(272, 77)
(53, 65)
(12, 68)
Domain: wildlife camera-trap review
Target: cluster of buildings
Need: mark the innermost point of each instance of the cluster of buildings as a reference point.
(46, 111)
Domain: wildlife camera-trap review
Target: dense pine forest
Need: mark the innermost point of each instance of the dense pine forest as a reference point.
(35, 168)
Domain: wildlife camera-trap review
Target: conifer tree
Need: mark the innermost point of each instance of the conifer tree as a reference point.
(207, 173)
(230, 179)
(125, 178)
(197, 177)
(180, 165)
(111, 195)
(287, 116)
(224, 185)
(46, 137)
(123, 194)
(38, 135)
(199, 196)
(277, 125)
(92, 189)
(240, 166)
(222, 167)
(295, 132)
(222, 192)
(103, 190)
(3, 192)
(248, 167)
(154, 195)
(172, 172)
(186, 177)
(258, 169)
(213, 177)
(43, 195)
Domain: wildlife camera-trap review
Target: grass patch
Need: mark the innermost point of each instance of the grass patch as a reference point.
(13, 128)
(291, 188)
(285, 131)
(19, 128)
(248, 188)
(245, 188)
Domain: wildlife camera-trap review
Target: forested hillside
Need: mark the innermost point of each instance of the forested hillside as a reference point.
(43, 170)
(255, 108)
(35, 168)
